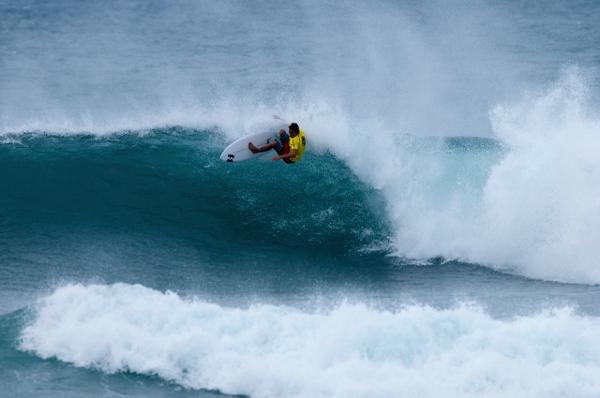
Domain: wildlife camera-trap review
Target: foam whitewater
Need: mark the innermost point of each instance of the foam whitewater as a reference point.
(349, 350)
(531, 209)
(525, 203)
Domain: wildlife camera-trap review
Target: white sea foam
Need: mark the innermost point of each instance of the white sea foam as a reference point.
(533, 210)
(352, 350)
(541, 208)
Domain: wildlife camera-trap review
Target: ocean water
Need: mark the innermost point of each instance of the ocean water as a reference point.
(438, 239)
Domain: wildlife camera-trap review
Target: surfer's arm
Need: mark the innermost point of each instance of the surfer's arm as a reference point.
(290, 154)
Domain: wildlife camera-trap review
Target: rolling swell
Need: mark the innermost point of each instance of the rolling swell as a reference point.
(160, 208)
(171, 181)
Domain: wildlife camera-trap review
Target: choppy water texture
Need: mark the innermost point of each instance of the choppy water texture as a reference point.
(439, 237)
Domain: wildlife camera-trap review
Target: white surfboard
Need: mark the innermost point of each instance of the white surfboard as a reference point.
(238, 150)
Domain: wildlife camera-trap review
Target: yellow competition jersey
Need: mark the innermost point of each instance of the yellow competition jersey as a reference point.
(298, 143)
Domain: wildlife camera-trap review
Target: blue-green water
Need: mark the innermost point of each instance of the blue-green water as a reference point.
(439, 238)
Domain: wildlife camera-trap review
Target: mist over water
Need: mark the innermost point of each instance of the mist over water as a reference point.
(420, 68)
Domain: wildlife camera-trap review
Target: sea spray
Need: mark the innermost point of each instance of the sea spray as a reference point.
(528, 205)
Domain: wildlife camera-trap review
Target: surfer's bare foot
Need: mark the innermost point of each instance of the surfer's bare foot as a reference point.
(253, 148)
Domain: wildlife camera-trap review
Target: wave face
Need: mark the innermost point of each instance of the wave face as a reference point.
(446, 71)
(152, 182)
(273, 351)
(511, 204)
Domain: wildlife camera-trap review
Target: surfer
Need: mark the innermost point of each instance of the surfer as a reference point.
(290, 147)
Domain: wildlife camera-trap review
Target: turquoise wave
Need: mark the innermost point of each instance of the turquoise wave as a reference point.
(171, 182)
(160, 208)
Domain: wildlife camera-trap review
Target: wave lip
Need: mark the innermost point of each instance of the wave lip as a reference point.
(526, 204)
(352, 350)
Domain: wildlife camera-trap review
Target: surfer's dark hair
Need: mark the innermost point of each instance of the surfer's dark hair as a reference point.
(294, 127)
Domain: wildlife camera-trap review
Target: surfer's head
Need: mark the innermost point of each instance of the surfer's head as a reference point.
(294, 129)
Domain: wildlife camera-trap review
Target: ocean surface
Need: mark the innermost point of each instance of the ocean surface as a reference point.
(438, 239)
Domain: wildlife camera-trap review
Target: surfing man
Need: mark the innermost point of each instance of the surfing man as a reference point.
(290, 147)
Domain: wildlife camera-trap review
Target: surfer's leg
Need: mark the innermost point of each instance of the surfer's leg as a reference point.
(284, 137)
(283, 145)
(286, 149)
(254, 149)
(279, 148)
(283, 149)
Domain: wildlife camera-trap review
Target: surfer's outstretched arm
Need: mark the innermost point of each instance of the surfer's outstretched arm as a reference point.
(288, 155)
